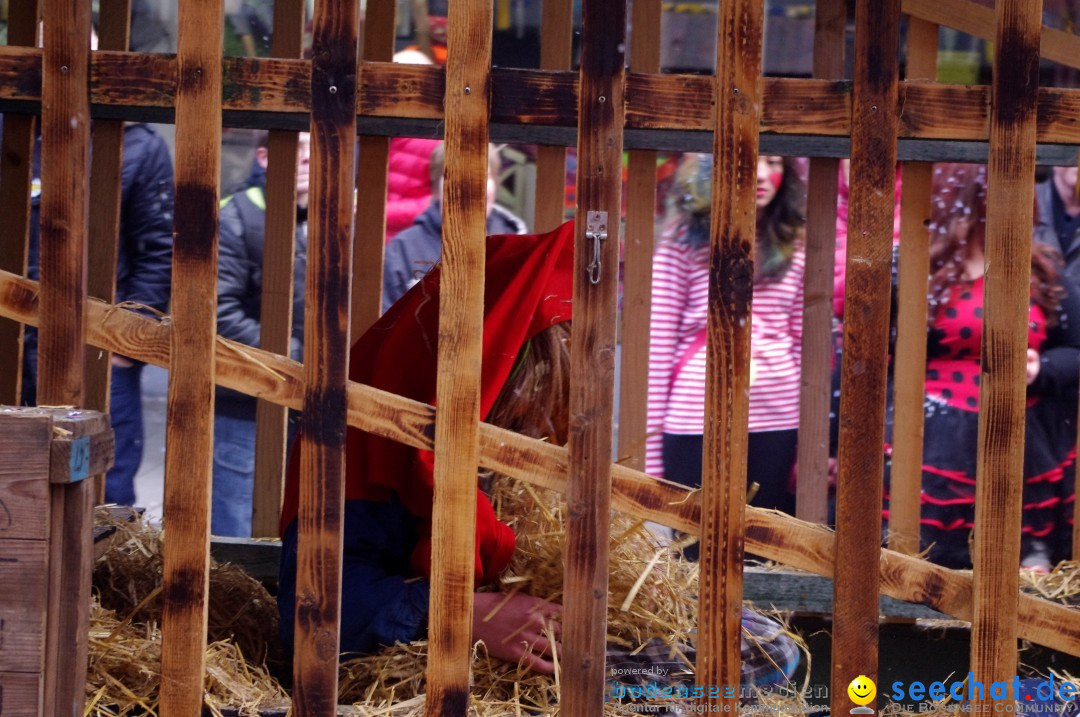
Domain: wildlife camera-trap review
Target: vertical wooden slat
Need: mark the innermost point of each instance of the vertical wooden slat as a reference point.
(866, 346)
(637, 281)
(326, 357)
(731, 283)
(1003, 388)
(65, 163)
(812, 487)
(910, 366)
(371, 183)
(190, 406)
(106, 158)
(461, 311)
(556, 44)
(276, 315)
(16, 172)
(71, 556)
(592, 369)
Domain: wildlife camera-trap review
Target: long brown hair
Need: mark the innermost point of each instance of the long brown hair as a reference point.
(535, 400)
(958, 226)
(778, 226)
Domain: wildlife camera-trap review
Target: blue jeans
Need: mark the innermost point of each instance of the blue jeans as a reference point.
(234, 476)
(125, 411)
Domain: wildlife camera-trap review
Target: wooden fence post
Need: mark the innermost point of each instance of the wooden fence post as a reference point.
(640, 231)
(556, 43)
(909, 386)
(190, 408)
(731, 286)
(106, 170)
(461, 326)
(815, 398)
(592, 360)
(65, 163)
(371, 177)
(1003, 389)
(326, 358)
(276, 310)
(866, 346)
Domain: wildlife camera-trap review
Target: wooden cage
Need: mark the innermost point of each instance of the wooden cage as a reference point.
(348, 98)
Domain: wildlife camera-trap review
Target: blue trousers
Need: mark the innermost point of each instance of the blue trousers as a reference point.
(234, 475)
(125, 410)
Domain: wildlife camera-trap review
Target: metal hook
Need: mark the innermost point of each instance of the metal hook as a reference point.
(595, 229)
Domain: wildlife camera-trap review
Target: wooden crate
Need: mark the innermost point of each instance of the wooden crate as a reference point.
(45, 457)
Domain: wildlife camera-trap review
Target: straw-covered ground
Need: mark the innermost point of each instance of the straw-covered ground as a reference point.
(651, 618)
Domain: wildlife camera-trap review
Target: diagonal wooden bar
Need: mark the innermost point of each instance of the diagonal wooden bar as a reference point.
(796, 543)
(16, 174)
(909, 375)
(592, 362)
(815, 398)
(371, 174)
(276, 307)
(1003, 386)
(556, 44)
(461, 329)
(866, 346)
(65, 163)
(190, 407)
(977, 19)
(731, 282)
(638, 252)
(326, 358)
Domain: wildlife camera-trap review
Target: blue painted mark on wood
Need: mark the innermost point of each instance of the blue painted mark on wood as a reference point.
(80, 458)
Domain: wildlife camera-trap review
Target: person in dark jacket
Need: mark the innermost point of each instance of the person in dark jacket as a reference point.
(143, 276)
(1058, 224)
(240, 263)
(412, 252)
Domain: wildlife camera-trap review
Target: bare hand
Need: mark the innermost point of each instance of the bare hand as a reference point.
(524, 630)
(122, 362)
(1033, 366)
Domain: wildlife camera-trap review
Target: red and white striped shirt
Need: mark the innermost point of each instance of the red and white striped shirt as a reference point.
(680, 300)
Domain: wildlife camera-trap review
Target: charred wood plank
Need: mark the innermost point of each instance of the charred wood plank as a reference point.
(999, 473)
(866, 345)
(731, 285)
(461, 328)
(190, 406)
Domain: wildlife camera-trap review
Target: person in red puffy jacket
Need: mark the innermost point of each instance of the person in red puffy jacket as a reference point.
(408, 189)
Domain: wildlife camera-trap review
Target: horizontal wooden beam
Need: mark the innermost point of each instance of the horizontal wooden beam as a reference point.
(264, 92)
(976, 19)
(779, 537)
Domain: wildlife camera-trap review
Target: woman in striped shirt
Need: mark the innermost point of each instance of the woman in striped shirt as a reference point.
(676, 415)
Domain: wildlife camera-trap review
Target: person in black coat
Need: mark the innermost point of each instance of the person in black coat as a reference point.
(242, 226)
(143, 276)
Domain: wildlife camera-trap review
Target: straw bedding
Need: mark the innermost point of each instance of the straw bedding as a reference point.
(652, 608)
(125, 633)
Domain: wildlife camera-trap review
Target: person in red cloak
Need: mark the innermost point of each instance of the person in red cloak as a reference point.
(388, 494)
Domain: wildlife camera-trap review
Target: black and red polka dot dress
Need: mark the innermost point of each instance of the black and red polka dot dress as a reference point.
(951, 427)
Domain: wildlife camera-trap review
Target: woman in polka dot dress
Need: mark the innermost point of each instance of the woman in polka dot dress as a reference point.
(952, 383)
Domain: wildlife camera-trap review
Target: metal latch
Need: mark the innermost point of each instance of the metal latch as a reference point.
(596, 230)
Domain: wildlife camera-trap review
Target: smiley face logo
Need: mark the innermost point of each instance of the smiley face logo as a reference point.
(862, 690)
